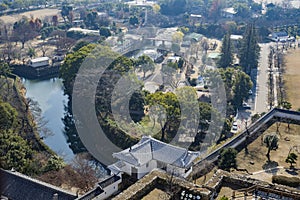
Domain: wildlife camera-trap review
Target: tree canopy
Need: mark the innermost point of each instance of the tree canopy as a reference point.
(227, 159)
(14, 152)
(271, 142)
(291, 158)
(23, 31)
(173, 7)
(8, 116)
(145, 63)
(236, 82)
(169, 118)
(226, 52)
(250, 51)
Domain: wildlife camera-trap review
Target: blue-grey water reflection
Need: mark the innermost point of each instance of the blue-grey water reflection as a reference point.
(50, 96)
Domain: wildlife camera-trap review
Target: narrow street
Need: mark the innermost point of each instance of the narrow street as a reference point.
(260, 94)
(258, 101)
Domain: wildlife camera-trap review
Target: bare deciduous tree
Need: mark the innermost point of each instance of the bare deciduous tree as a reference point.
(23, 31)
(82, 165)
(40, 121)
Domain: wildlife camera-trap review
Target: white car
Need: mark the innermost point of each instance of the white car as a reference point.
(234, 127)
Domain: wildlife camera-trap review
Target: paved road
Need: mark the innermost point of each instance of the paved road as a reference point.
(261, 93)
(259, 99)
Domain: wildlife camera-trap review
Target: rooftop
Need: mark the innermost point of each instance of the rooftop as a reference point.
(214, 55)
(229, 10)
(193, 36)
(85, 31)
(196, 16)
(280, 34)
(17, 186)
(236, 37)
(40, 59)
(149, 148)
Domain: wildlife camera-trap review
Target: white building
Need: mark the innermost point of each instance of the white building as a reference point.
(148, 154)
(236, 41)
(281, 36)
(195, 18)
(39, 62)
(84, 31)
(152, 53)
(104, 189)
(228, 12)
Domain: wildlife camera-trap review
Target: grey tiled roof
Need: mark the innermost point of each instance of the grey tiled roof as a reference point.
(17, 186)
(281, 33)
(91, 194)
(117, 167)
(149, 148)
(100, 188)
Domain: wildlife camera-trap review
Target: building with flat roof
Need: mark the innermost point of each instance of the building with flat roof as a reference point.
(39, 62)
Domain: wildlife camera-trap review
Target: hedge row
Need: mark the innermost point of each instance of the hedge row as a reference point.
(284, 180)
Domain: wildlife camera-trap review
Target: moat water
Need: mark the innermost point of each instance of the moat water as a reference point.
(52, 101)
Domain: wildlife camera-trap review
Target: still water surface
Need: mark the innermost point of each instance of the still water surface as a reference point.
(50, 96)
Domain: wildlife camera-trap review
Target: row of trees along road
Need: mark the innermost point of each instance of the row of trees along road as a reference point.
(249, 50)
(236, 82)
(237, 79)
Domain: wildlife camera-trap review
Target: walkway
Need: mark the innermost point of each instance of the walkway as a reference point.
(261, 90)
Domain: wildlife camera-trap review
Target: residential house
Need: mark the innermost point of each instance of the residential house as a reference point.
(235, 41)
(281, 36)
(149, 154)
(78, 23)
(191, 38)
(228, 12)
(102, 15)
(213, 57)
(194, 19)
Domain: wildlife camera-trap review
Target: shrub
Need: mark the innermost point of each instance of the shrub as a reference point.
(284, 180)
(224, 198)
(227, 159)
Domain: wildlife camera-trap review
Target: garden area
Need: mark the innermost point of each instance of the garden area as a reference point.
(256, 161)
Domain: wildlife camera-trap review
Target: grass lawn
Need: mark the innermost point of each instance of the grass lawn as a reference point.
(292, 78)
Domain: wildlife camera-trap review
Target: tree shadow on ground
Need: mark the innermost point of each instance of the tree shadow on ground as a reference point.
(292, 171)
(269, 165)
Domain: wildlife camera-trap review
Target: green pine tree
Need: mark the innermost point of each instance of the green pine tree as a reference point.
(226, 52)
(292, 158)
(250, 50)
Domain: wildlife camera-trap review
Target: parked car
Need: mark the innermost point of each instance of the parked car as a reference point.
(246, 106)
(234, 127)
